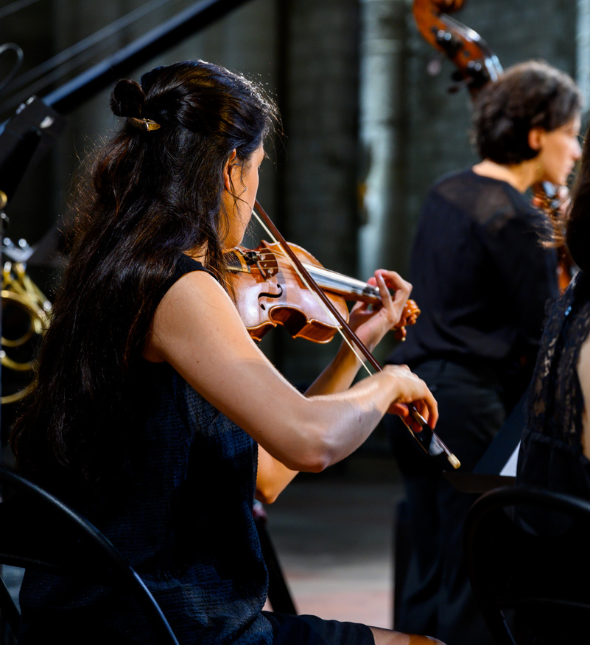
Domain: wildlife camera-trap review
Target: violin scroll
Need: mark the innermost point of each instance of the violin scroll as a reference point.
(409, 317)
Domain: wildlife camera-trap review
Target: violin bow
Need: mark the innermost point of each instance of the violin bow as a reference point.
(428, 440)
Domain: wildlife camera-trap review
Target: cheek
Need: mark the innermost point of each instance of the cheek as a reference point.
(255, 184)
(566, 155)
(558, 156)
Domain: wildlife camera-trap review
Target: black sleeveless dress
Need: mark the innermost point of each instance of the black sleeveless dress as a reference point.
(181, 514)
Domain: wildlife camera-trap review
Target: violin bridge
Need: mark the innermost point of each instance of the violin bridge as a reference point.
(242, 260)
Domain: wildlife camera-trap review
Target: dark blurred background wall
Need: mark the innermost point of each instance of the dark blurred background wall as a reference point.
(366, 128)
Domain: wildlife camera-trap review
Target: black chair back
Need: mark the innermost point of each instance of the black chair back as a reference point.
(529, 564)
(38, 531)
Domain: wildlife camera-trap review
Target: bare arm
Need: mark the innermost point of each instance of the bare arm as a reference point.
(198, 331)
(584, 376)
(272, 477)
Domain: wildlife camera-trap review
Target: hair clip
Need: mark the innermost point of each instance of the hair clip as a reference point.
(147, 125)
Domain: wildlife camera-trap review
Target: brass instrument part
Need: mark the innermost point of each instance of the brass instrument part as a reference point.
(19, 291)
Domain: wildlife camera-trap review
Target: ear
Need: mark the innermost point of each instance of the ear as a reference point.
(536, 138)
(227, 170)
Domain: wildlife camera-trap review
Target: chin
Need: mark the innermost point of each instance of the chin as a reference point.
(561, 179)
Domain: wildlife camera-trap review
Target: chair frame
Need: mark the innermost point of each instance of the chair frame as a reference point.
(279, 594)
(88, 541)
(491, 604)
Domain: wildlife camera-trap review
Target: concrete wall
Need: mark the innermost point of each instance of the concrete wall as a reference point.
(383, 127)
(318, 167)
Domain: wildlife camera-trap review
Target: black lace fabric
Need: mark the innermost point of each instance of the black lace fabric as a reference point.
(551, 454)
(556, 403)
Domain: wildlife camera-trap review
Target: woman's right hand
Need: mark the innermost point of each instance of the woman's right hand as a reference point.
(412, 389)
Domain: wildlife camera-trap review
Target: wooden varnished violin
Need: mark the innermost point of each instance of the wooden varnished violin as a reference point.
(268, 291)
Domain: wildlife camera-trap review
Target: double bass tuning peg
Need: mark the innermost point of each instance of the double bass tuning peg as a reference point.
(434, 65)
(473, 77)
(448, 42)
(459, 84)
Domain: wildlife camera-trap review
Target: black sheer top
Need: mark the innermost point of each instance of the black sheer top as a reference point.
(481, 277)
(551, 451)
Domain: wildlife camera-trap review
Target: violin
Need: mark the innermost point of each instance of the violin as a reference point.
(476, 66)
(268, 291)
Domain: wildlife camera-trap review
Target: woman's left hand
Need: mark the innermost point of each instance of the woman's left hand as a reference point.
(372, 323)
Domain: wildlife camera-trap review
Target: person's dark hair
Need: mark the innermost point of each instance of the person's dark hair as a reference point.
(577, 232)
(155, 195)
(529, 95)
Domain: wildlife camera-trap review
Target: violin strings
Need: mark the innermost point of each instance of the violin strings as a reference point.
(346, 340)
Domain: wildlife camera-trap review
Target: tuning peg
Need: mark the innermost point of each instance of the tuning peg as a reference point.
(459, 85)
(434, 66)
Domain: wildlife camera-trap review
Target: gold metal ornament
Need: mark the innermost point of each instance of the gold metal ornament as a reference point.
(20, 295)
(143, 124)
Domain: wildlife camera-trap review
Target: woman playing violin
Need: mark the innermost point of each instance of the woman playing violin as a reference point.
(155, 414)
(482, 277)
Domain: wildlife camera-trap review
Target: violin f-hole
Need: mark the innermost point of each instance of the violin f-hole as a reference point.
(267, 294)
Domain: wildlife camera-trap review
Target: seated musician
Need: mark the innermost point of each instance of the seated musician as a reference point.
(155, 414)
(482, 279)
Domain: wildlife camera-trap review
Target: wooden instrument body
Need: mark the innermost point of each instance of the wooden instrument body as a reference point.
(269, 292)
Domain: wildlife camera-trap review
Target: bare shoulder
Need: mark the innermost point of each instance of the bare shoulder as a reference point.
(584, 367)
(197, 330)
(584, 376)
(194, 305)
(195, 286)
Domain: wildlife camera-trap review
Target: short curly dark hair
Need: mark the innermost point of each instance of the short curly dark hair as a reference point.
(528, 95)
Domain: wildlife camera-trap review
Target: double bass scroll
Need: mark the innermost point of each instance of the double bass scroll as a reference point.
(476, 64)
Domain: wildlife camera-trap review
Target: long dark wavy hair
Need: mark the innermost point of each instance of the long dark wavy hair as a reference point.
(577, 230)
(154, 195)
